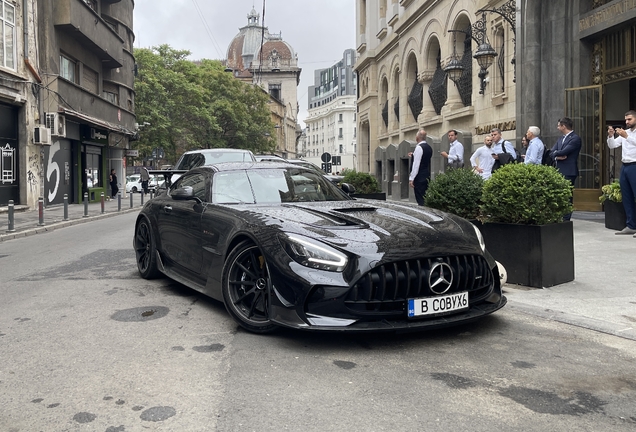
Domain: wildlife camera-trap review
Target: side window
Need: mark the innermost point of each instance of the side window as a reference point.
(196, 181)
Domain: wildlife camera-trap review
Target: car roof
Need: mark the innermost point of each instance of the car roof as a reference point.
(233, 166)
(218, 150)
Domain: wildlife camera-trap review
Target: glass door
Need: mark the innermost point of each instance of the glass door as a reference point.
(583, 106)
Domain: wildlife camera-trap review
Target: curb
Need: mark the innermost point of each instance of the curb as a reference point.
(600, 326)
(63, 224)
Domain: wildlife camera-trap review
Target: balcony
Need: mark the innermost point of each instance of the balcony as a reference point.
(92, 105)
(84, 25)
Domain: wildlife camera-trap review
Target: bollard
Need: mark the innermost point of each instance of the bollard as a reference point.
(119, 201)
(102, 202)
(131, 199)
(85, 204)
(65, 207)
(142, 198)
(41, 211)
(11, 217)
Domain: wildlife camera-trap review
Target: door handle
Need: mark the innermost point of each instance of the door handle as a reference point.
(167, 208)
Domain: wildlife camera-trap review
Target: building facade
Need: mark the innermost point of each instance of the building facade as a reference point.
(86, 100)
(257, 56)
(423, 64)
(20, 82)
(404, 47)
(331, 117)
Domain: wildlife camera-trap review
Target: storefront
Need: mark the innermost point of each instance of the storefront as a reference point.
(9, 164)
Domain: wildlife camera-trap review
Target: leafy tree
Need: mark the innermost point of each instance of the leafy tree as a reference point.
(191, 105)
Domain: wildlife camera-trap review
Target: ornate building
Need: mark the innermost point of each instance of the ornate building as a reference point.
(255, 55)
(472, 65)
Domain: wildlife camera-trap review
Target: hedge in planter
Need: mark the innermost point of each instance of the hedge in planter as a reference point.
(523, 208)
(612, 200)
(456, 191)
(366, 185)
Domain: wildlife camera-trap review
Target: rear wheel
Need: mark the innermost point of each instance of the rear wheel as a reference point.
(146, 250)
(246, 288)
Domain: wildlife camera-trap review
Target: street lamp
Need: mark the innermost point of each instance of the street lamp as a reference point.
(507, 11)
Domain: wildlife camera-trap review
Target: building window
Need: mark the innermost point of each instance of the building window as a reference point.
(68, 69)
(340, 133)
(89, 80)
(274, 91)
(354, 132)
(111, 93)
(341, 149)
(340, 118)
(7, 26)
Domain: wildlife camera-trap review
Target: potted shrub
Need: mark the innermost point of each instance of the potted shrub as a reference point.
(456, 191)
(365, 184)
(612, 201)
(522, 213)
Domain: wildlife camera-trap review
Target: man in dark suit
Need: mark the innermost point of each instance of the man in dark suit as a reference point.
(566, 153)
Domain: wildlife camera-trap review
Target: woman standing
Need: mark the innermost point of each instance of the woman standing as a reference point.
(113, 183)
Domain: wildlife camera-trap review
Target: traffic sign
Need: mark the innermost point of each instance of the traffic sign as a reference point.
(325, 157)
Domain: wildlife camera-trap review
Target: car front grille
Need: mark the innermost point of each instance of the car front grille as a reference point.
(386, 288)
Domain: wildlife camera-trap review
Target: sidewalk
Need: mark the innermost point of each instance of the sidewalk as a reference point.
(26, 221)
(602, 297)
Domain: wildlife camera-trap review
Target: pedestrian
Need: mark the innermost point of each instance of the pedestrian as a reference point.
(504, 151)
(455, 155)
(421, 168)
(534, 154)
(523, 149)
(566, 153)
(113, 183)
(482, 160)
(145, 177)
(626, 138)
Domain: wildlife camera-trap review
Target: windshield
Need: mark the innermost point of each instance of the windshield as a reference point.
(276, 185)
(194, 160)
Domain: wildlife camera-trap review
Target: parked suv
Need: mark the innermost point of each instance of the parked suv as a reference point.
(196, 158)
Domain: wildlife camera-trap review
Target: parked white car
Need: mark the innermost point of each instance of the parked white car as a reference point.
(133, 183)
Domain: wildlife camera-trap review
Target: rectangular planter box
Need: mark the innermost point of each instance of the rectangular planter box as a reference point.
(538, 256)
(614, 215)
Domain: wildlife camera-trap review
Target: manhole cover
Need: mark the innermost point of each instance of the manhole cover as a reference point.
(140, 314)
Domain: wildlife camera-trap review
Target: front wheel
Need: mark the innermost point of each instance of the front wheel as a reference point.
(145, 250)
(246, 288)
(134, 189)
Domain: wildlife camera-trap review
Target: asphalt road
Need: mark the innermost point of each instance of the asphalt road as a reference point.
(86, 345)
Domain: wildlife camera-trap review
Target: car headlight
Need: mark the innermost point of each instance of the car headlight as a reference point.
(313, 254)
(480, 237)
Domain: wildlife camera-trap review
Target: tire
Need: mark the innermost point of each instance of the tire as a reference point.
(246, 288)
(145, 250)
(134, 189)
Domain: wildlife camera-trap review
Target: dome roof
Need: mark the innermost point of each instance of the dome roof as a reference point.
(244, 50)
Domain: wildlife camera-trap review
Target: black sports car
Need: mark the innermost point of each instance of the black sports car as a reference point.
(280, 245)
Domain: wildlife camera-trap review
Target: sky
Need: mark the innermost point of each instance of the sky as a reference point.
(318, 30)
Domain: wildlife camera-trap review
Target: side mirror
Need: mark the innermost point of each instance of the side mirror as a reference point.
(184, 193)
(347, 188)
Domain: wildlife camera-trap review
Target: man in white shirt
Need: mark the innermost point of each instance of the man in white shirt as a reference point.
(455, 154)
(627, 139)
(534, 154)
(482, 160)
(498, 145)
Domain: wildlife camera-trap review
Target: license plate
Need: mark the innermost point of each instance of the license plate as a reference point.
(438, 305)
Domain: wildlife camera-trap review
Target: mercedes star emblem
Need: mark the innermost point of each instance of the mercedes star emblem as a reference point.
(440, 277)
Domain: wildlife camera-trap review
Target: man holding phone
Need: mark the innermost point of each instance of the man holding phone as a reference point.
(626, 138)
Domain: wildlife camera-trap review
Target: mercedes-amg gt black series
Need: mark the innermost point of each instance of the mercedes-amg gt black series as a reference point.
(280, 245)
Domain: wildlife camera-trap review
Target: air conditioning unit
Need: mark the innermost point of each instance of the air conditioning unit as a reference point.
(56, 123)
(41, 135)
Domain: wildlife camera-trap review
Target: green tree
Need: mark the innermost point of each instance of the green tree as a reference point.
(191, 105)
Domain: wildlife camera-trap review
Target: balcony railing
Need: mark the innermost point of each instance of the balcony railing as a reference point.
(77, 19)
